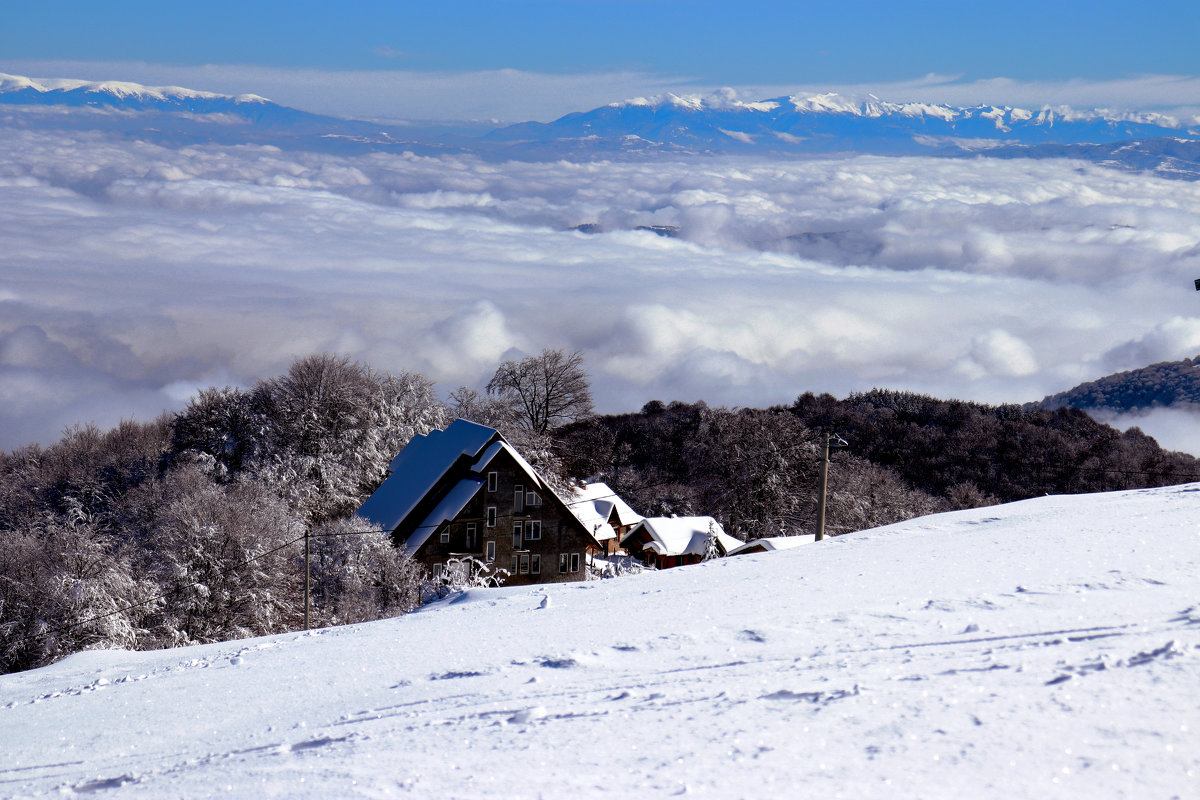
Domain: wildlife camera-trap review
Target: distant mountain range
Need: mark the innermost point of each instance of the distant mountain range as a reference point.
(174, 114)
(822, 124)
(1168, 383)
(829, 123)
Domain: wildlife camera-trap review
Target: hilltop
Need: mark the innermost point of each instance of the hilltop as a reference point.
(1036, 649)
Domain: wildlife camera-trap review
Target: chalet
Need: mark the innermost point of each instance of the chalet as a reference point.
(603, 513)
(663, 542)
(464, 495)
(769, 544)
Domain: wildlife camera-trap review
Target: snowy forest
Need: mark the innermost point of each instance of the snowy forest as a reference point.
(190, 528)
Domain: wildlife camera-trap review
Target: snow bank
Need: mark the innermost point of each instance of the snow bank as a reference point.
(1049, 648)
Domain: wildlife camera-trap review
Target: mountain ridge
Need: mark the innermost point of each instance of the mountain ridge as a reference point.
(671, 125)
(1165, 384)
(822, 123)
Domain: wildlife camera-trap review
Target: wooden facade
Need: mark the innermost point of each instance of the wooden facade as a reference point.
(464, 499)
(514, 524)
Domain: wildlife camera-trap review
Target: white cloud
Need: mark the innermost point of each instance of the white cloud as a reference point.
(133, 271)
(1172, 340)
(1000, 353)
(1173, 428)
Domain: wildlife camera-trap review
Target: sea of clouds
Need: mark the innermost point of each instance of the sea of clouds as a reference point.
(132, 273)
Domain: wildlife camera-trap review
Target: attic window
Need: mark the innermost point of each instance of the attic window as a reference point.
(445, 535)
(533, 499)
(493, 479)
(518, 498)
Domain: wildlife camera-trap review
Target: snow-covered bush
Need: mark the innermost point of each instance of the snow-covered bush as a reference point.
(462, 573)
(359, 575)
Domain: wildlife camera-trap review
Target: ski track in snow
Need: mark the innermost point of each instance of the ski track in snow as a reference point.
(1049, 648)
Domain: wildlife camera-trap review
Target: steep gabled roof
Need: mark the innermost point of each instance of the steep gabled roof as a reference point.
(450, 507)
(443, 469)
(503, 446)
(769, 543)
(418, 468)
(677, 536)
(594, 504)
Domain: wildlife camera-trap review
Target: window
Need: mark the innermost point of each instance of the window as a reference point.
(535, 564)
(533, 499)
(491, 551)
(491, 516)
(445, 537)
(562, 563)
(533, 529)
(493, 479)
(524, 563)
(471, 531)
(516, 536)
(518, 498)
(513, 571)
(437, 570)
(574, 562)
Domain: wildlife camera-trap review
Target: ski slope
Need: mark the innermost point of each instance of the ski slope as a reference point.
(1048, 648)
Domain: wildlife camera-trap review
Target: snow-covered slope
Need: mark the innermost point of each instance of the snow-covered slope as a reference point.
(829, 122)
(1049, 648)
(185, 109)
(16, 89)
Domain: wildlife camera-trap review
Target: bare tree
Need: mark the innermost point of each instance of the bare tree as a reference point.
(547, 389)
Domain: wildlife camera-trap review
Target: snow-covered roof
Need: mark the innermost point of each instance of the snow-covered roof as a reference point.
(774, 543)
(593, 504)
(446, 510)
(418, 468)
(504, 447)
(677, 536)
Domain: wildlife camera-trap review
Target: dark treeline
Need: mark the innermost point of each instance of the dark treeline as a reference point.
(1168, 383)
(190, 528)
(754, 470)
(959, 450)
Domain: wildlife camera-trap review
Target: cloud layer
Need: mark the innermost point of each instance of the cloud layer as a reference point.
(131, 273)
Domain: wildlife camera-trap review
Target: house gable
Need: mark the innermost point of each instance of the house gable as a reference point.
(487, 504)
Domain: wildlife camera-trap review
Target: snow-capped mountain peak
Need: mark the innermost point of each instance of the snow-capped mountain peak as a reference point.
(830, 122)
(21, 90)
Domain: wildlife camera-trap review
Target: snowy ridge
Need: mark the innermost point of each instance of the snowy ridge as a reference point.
(1048, 648)
(872, 107)
(116, 90)
(829, 122)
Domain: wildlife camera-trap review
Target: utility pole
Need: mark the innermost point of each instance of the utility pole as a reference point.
(829, 440)
(308, 578)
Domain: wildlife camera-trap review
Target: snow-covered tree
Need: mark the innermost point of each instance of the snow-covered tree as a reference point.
(359, 575)
(229, 558)
(547, 390)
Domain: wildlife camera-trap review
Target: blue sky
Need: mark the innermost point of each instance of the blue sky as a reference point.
(722, 42)
(651, 43)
